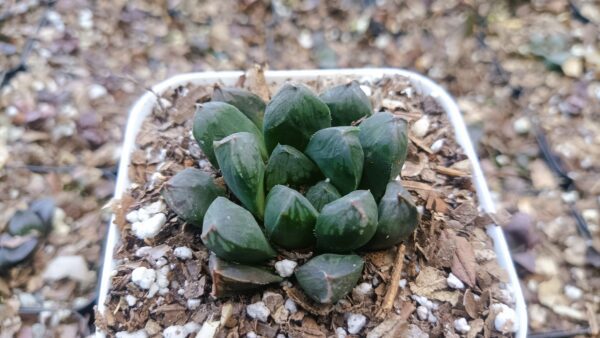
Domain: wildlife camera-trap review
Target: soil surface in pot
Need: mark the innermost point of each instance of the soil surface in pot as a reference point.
(450, 283)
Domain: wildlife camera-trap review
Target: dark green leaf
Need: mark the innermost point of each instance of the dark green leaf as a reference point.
(14, 250)
(288, 166)
(247, 102)
(321, 194)
(347, 103)
(25, 221)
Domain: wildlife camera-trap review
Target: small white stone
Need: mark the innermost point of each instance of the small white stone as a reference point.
(251, 334)
(402, 283)
(454, 282)
(143, 277)
(208, 330)
(305, 39)
(290, 305)
(174, 331)
(131, 300)
(183, 252)
(422, 300)
(432, 318)
(142, 215)
(422, 312)
(461, 325)
(132, 216)
(421, 127)
(506, 318)
(150, 227)
(258, 311)
(193, 303)
(340, 332)
(137, 334)
(281, 335)
(522, 125)
(152, 290)
(573, 292)
(367, 90)
(285, 268)
(356, 322)
(27, 300)
(437, 145)
(71, 267)
(570, 196)
(155, 207)
(364, 289)
(191, 327)
(162, 277)
(143, 251)
(86, 18)
(96, 91)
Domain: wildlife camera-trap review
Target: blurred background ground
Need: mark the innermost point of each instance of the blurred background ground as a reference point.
(518, 69)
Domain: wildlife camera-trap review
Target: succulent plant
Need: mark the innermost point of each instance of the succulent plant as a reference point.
(290, 218)
(214, 121)
(190, 192)
(383, 138)
(14, 250)
(308, 155)
(232, 234)
(339, 155)
(329, 277)
(230, 279)
(398, 217)
(243, 169)
(321, 194)
(348, 223)
(247, 102)
(294, 114)
(24, 222)
(347, 103)
(289, 166)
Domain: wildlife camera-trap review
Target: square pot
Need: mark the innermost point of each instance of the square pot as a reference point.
(143, 107)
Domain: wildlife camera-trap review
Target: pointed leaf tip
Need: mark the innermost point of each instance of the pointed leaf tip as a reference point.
(230, 279)
(247, 102)
(328, 278)
(347, 103)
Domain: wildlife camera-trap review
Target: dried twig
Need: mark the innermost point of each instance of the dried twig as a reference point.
(393, 285)
(420, 144)
(450, 171)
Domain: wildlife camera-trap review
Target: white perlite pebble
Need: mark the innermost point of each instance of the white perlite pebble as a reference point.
(366, 89)
(340, 332)
(437, 145)
(143, 277)
(258, 311)
(150, 227)
(421, 127)
(155, 207)
(208, 330)
(522, 125)
(175, 331)
(506, 318)
(281, 335)
(454, 282)
(364, 289)
(461, 325)
(290, 305)
(285, 268)
(183, 252)
(432, 318)
(137, 334)
(422, 312)
(71, 267)
(193, 303)
(402, 283)
(131, 300)
(573, 292)
(251, 334)
(356, 322)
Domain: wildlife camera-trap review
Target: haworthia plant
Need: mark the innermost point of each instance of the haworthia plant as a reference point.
(230, 279)
(289, 166)
(321, 194)
(347, 103)
(247, 102)
(337, 152)
(293, 115)
(348, 223)
(24, 222)
(398, 217)
(289, 218)
(231, 233)
(190, 192)
(328, 278)
(215, 120)
(20, 249)
(243, 169)
(383, 138)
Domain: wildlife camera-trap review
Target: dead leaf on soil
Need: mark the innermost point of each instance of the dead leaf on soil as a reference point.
(464, 264)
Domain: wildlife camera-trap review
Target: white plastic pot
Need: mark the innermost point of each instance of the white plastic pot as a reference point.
(143, 107)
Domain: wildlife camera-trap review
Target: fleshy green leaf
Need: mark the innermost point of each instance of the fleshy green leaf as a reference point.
(328, 278)
(293, 115)
(190, 193)
(398, 217)
(337, 152)
(289, 218)
(231, 233)
(44, 207)
(347, 223)
(288, 166)
(230, 279)
(243, 169)
(215, 120)
(384, 141)
(321, 194)
(247, 102)
(25, 221)
(14, 250)
(347, 103)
